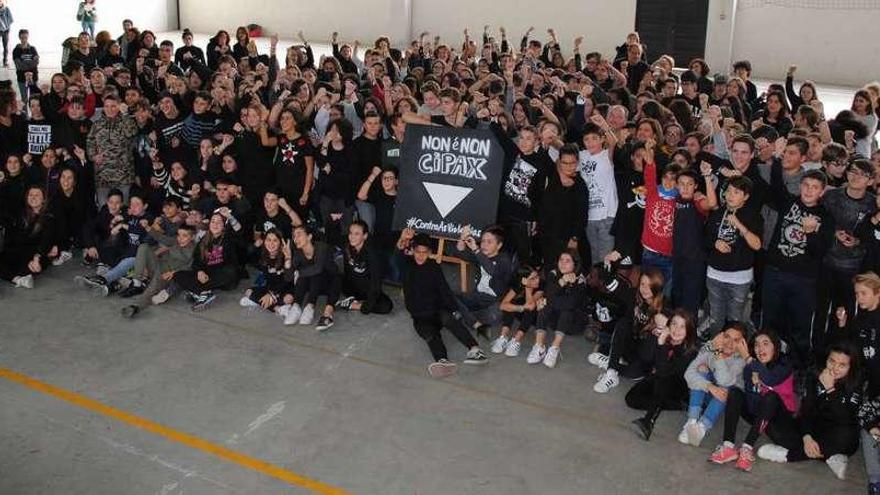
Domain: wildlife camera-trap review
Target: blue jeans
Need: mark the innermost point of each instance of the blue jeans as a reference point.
(871, 451)
(89, 27)
(652, 259)
(713, 409)
(727, 302)
(119, 270)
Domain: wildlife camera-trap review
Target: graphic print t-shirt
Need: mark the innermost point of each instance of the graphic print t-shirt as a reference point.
(598, 172)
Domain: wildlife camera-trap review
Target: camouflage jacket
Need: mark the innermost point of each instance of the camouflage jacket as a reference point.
(114, 138)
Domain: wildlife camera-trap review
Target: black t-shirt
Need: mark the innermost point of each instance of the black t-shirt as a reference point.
(719, 228)
(687, 233)
(264, 223)
(384, 205)
(27, 57)
(290, 166)
(88, 60)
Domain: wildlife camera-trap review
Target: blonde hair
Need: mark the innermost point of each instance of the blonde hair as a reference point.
(869, 279)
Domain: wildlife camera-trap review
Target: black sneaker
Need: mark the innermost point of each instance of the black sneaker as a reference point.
(132, 290)
(203, 301)
(644, 427)
(324, 323)
(476, 356)
(130, 311)
(345, 303)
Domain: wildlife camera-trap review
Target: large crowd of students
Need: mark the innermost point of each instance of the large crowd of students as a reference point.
(720, 246)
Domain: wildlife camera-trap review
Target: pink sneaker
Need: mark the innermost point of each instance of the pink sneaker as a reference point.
(746, 459)
(723, 454)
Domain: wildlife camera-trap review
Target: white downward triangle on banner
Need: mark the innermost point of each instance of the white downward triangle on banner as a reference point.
(446, 197)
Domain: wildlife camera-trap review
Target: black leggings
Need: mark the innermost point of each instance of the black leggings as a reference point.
(639, 353)
(782, 428)
(307, 289)
(526, 320)
(14, 262)
(225, 277)
(429, 327)
(656, 393)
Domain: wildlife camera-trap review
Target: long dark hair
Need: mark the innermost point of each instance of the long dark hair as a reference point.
(690, 326)
(209, 241)
(774, 339)
(266, 258)
(852, 382)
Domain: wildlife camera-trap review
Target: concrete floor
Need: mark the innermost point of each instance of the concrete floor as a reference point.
(352, 408)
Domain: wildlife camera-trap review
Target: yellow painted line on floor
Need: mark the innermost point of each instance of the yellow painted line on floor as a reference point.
(192, 441)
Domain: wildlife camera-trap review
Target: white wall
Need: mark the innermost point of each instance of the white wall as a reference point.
(353, 19)
(828, 46)
(604, 23)
(719, 34)
(52, 21)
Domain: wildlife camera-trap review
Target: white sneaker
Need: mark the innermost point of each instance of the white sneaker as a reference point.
(552, 356)
(308, 314)
(536, 355)
(293, 314)
(102, 270)
(63, 257)
(599, 360)
(683, 435)
(25, 282)
(606, 382)
(695, 433)
(161, 297)
(837, 463)
(774, 453)
(246, 302)
(513, 348)
(282, 310)
(500, 344)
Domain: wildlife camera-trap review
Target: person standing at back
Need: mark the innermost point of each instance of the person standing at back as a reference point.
(5, 25)
(87, 16)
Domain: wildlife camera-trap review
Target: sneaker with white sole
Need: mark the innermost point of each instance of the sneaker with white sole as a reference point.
(553, 355)
(247, 302)
(773, 453)
(324, 323)
(345, 303)
(725, 452)
(161, 297)
(513, 348)
(203, 301)
(63, 257)
(24, 282)
(838, 463)
(683, 434)
(476, 356)
(598, 360)
(696, 433)
(536, 355)
(308, 314)
(101, 269)
(441, 368)
(293, 314)
(282, 310)
(606, 382)
(500, 344)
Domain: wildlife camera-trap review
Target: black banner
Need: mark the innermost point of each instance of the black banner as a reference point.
(449, 178)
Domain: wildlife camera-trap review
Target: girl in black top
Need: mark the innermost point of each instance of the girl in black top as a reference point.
(276, 267)
(560, 311)
(215, 266)
(632, 338)
(294, 161)
(775, 114)
(362, 279)
(30, 241)
(665, 388)
(336, 185)
(317, 272)
(218, 46)
(380, 190)
(519, 304)
(827, 427)
(70, 210)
